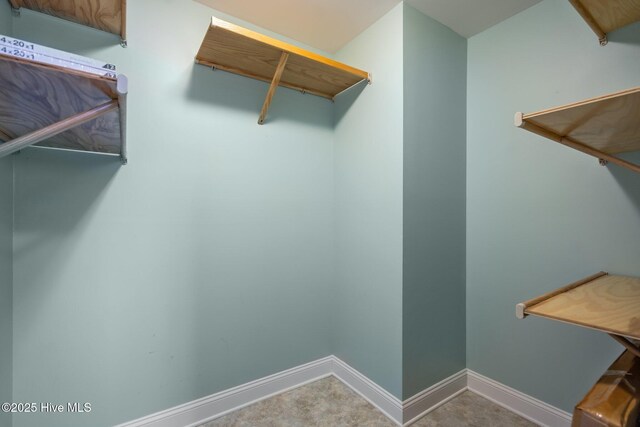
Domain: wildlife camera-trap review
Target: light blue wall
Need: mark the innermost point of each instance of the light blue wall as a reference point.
(433, 308)
(203, 264)
(6, 284)
(5, 18)
(540, 215)
(6, 259)
(368, 208)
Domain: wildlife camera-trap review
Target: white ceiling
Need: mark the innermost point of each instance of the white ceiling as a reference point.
(330, 24)
(324, 24)
(470, 17)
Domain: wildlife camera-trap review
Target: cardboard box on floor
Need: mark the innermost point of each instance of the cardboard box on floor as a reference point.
(614, 401)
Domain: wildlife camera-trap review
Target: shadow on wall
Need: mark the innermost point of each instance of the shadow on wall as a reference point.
(230, 91)
(56, 191)
(627, 35)
(345, 100)
(77, 38)
(629, 181)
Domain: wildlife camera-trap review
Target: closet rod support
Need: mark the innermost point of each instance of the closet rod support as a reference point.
(39, 135)
(122, 87)
(626, 343)
(274, 85)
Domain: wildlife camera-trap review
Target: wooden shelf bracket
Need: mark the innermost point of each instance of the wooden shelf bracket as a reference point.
(569, 142)
(602, 302)
(274, 85)
(231, 48)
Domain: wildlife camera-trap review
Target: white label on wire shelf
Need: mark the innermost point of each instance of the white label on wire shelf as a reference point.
(27, 50)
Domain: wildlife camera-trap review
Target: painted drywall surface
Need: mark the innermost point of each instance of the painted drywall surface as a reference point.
(368, 208)
(433, 295)
(5, 19)
(540, 215)
(6, 259)
(202, 264)
(6, 284)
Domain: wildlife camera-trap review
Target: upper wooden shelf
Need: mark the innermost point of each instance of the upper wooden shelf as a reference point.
(609, 15)
(602, 302)
(105, 15)
(57, 107)
(600, 127)
(238, 50)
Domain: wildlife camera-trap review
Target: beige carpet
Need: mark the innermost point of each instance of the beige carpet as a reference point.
(329, 403)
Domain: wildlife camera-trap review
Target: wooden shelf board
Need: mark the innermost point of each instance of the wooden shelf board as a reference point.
(245, 52)
(607, 123)
(105, 15)
(608, 15)
(34, 95)
(608, 303)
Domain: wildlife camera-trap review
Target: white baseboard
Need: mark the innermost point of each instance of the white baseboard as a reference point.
(429, 399)
(384, 401)
(208, 408)
(526, 406)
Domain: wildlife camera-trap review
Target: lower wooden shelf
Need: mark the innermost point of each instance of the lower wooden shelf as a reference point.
(602, 302)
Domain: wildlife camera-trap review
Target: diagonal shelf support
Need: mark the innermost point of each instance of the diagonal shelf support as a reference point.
(123, 30)
(34, 137)
(601, 155)
(627, 344)
(274, 85)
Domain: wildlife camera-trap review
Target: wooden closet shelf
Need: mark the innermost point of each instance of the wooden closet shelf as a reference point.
(600, 127)
(606, 16)
(602, 302)
(58, 107)
(105, 15)
(238, 50)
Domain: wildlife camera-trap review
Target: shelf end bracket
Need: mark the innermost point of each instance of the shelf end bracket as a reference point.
(520, 307)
